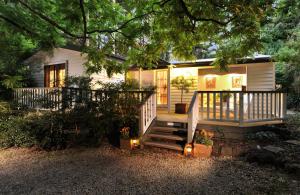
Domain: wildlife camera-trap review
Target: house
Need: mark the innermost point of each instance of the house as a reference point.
(236, 100)
(242, 97)
(51, 68)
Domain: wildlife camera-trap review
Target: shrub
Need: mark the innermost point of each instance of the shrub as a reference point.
(203, 138)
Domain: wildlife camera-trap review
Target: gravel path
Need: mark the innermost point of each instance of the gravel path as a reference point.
(106, 170)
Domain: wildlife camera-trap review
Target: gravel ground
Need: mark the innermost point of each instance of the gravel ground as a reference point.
(106, 170)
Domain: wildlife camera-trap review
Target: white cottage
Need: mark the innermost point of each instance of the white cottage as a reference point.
(50, 68)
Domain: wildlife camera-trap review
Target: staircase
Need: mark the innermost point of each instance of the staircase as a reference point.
(169, 135)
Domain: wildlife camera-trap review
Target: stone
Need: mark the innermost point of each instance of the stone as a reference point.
(273, 149)
(293, 168)
(295, 142)
(261, 156)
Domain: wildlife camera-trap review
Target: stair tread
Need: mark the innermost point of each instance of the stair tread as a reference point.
(164, 145)
(167, 136)
(159, 128)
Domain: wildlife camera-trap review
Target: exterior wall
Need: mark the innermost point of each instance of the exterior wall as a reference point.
(261, 77)
(175, 94)
(223, 82)
(74, 65)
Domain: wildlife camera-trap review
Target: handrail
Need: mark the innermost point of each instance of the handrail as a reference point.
(61, 98)
(147, 113)
(193, 115)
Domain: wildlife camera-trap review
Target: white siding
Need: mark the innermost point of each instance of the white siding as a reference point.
(260, 77)
(75, 65)
(175, 94)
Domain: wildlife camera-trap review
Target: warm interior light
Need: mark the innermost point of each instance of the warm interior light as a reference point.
(210, 76)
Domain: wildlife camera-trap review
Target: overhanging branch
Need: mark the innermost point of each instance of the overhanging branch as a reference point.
(18, 25)
(49, 20)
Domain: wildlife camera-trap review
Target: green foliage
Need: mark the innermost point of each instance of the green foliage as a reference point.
(143, 31)
(281, 36)
(263, 136)
(82, 82)
(183, 84)
(203, 138)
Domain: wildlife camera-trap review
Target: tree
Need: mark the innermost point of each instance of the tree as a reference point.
(14, 48)
(140, 30)
(281, 36)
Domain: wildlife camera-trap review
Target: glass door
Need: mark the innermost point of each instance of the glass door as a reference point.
(162, 87)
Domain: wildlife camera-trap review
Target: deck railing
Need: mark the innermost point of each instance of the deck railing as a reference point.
(61, 98)
(193, 116)
(147, 113)
(236, 106)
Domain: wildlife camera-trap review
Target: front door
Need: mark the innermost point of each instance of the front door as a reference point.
(162, 87)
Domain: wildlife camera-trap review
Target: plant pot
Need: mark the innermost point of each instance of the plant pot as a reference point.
(125, 144)
(201, 150)
(180, 108)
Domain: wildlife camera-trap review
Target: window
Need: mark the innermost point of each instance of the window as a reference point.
(54, 75)
(162, 87)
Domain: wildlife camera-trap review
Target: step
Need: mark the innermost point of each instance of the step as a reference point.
(171, 146)
(167, 136)
(167, 129)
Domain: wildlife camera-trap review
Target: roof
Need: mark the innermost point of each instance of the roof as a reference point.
(209, 61)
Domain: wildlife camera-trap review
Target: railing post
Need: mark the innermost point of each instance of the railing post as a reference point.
(241, 107)
(283, 110)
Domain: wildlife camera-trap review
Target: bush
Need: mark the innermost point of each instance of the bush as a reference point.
(49, 130)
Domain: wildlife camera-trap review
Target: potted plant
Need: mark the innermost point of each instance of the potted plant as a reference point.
(202, 144)
(125, 138)
(183, 85)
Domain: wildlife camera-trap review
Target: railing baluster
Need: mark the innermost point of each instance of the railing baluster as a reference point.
(227, 106)
(275, 105)
(241, 107)
(214, 105)
(279, 105)
(202, 109)
(262, 105)
(258, 105)
(234, 106)
(248, 105)
(221, 106)
(267, 105)
(207, 105)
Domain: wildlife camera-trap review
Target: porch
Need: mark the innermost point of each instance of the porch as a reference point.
(226, 108)
(223, 108)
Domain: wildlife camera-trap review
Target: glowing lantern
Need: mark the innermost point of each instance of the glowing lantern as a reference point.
(134, 143)
(188, 149)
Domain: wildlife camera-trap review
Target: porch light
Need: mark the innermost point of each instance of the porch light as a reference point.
(188, 149)
(134, 143)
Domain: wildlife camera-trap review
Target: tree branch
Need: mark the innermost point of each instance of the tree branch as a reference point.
(192, 17)
(18, 25)
(49, 20)
(84, 21)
